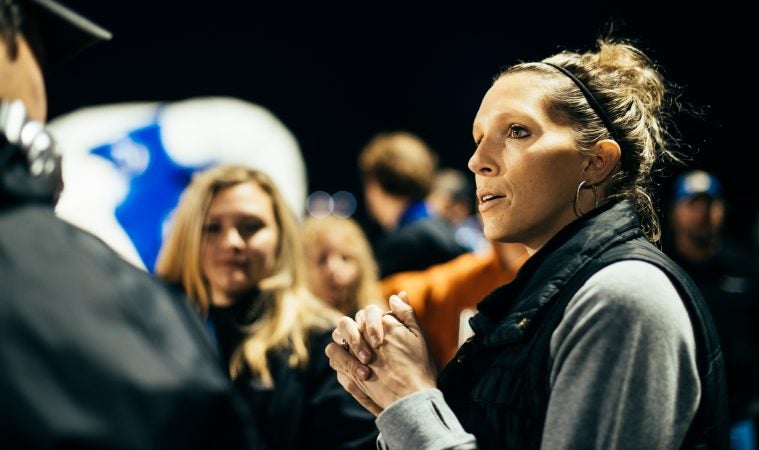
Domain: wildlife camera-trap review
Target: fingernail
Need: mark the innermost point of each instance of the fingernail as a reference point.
(364, 356)
(363, 372)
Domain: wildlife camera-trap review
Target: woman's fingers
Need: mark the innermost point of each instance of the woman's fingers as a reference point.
(361, 397)
(401, 310)
(373, 325)
(360, 318)
(343, 361)
(348, 335)
(350, 374)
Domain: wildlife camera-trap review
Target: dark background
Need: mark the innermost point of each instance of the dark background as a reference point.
(336, 75)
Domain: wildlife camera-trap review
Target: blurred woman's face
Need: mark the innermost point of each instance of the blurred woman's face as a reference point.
(239, 242)
(333, 271)
(526, 166)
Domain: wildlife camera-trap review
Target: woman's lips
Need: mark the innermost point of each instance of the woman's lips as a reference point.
(489, 201)
(232, 264)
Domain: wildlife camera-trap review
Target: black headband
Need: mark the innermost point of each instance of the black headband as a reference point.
(593, 102)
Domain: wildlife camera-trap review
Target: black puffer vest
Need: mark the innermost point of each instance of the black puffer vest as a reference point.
(498, 382)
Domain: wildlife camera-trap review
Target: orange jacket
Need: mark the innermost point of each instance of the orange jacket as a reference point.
(444, 294)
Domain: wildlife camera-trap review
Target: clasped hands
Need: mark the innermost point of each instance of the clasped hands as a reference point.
(386, 358)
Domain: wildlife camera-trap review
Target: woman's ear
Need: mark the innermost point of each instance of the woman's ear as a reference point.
(602, 161)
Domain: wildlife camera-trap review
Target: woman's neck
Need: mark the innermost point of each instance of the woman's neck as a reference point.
(222, 300)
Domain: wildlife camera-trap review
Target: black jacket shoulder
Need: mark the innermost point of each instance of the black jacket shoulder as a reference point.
(99, 354)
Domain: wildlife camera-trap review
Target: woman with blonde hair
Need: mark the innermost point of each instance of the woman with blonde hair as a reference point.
(235, 251)
(341, 266)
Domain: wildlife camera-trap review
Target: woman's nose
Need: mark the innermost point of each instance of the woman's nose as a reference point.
(333, 263)
(481, 163)
(233, 238)
(336, 266)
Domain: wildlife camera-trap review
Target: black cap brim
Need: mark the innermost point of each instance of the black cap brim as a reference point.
(56, 32)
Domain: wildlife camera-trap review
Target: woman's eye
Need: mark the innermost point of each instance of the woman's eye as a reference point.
(518, 132)
(211, 228)
(320, 259)
(249, 228)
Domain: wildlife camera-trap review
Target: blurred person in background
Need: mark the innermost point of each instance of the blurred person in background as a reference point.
(234, 248)
(452, 197)
(95, 353)
(340, 263)
(444, 296)
(725, 273)
(127, 163)
(397, 170)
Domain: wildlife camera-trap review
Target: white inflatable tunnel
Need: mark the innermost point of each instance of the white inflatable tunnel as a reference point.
(125, 165)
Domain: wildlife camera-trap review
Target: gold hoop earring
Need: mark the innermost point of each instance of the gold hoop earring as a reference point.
(578, 211)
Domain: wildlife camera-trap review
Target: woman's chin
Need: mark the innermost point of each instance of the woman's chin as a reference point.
(494, 234)
(236, 287)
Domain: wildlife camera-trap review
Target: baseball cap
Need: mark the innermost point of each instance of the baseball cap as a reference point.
(696, 182)
(56, 32)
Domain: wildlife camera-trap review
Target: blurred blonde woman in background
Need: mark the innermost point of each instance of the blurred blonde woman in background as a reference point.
(234, 249)
(342, 270)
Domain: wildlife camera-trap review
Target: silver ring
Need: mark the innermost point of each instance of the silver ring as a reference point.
(346, 347)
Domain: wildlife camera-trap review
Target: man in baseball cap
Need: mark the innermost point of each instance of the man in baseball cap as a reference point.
(35, 36)
(55, 32)
(697, 214)
(696, 182)
(724, 273)
(94, 352)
